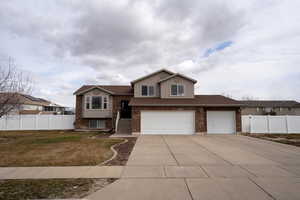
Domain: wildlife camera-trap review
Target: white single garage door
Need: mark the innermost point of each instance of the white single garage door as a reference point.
(222, 122)
(168, 122)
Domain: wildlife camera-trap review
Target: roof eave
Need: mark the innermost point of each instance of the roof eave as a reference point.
(204, 105)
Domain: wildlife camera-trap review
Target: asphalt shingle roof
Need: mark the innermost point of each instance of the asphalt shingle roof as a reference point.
(199, 100)
(115, 89)
(266, 103)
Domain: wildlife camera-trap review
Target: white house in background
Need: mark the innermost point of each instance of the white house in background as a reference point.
(33, 105)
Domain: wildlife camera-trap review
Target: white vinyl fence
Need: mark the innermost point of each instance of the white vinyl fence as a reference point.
(270, 124)
(37, 122)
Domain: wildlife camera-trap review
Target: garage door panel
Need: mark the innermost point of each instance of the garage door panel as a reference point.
(222, 122)
(167, 122)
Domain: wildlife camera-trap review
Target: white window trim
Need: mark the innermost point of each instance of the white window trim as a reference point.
(148, 91)
(181, 95)
(102, 106)
(98, 124)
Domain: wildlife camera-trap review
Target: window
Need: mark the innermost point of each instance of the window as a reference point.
(87, 102)
(95, 123)
(151, 90)
(105, 103)
(177, 90)
(147, 90)
(144, 90)
(96, 102)
(49, 108)
(257, 109)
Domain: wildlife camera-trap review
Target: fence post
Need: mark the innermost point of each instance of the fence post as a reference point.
(35, 122)
(20, 122)
(287, 124)
(250, 123)
(268, 123)
(5, 122)
(49, 121)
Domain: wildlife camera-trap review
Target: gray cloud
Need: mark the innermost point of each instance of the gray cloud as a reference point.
(68, 43)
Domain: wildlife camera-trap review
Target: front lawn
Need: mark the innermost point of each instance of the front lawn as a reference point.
(291, 139)
(54, 148)
(50, 188)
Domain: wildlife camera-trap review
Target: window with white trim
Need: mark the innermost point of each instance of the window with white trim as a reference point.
(96, 123)
(177, 90)
(96, 102)
(147, 90)
(104, 102)
(87, 102)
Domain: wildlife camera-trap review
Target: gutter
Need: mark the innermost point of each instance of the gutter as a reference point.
(203, 105)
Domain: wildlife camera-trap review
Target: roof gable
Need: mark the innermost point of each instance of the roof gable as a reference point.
(178, 75)
(92, 88)
(111, 89)
(152, 74)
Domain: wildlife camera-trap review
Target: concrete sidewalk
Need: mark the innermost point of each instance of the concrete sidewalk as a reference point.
(207, 168)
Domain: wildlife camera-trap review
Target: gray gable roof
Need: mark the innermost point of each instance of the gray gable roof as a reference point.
(266, 103)
(156, 72)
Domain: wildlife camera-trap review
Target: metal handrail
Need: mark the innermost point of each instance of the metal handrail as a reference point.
(117, 120)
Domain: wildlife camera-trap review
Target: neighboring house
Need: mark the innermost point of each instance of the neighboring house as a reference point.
(162, 102)
(33, 105)
(271, 108)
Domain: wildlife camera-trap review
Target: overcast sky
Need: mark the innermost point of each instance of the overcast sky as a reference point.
(236, 47)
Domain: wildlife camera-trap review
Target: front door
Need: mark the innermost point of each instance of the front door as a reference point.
(125, 109)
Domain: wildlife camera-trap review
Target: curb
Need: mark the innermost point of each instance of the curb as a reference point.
(112, 148)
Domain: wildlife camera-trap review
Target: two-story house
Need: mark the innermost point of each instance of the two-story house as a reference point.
(162, 102)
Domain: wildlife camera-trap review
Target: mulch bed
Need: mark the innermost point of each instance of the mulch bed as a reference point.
(290, 139)
(50, 188)
(124, 151)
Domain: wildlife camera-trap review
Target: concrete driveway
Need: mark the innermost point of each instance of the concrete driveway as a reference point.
(210, 167)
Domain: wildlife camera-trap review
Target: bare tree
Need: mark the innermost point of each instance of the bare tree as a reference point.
(13, 82)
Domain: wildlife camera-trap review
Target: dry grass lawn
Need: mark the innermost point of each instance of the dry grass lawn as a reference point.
(50, 188)
(54, 148)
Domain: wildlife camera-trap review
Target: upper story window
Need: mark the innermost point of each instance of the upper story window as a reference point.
(177, 90)
(96, 102)
(147, 90)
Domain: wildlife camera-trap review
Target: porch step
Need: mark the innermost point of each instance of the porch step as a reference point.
(124, 126)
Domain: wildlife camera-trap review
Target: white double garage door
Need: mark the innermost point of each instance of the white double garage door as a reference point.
(183, 122)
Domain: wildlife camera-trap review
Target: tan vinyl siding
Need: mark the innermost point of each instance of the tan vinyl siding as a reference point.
(150, 81)
(107, 113)
(166, 88)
